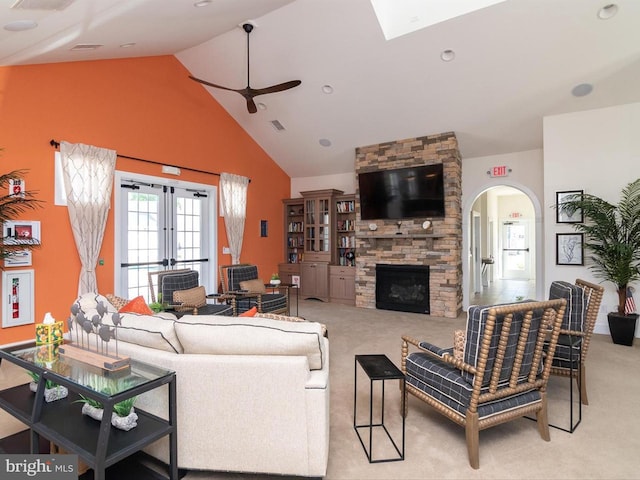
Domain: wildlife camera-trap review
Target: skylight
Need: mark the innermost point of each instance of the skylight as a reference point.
(399, 17)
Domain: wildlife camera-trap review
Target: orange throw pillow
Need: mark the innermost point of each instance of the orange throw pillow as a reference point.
(137, 305)
(249, 313)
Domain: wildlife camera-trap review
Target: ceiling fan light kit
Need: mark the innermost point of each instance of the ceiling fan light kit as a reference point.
(249, 93)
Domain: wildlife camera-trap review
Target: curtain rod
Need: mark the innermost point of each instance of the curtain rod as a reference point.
(56, 144)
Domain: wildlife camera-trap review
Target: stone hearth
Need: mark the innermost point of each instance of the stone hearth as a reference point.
(439, 247)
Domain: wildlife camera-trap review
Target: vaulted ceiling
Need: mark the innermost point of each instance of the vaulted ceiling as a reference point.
(514, 63)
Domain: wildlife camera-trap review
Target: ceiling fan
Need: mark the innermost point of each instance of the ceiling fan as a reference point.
(248, 93)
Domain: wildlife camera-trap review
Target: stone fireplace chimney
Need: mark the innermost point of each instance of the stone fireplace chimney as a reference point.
(439, 246)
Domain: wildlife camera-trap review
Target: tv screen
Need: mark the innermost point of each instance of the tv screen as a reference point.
(402, 193)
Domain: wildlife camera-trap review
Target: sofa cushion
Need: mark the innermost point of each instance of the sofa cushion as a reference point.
(153, 331)
(289, 318)
(89, 301)
(216, 335)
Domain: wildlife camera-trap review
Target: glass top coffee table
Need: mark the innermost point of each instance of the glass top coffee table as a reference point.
(98, 443)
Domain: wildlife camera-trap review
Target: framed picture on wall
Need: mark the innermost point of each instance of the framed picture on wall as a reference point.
(569, 249)
(562, 214)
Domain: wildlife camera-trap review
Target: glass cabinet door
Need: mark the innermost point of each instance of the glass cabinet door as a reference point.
(324, 230)
(310, 225)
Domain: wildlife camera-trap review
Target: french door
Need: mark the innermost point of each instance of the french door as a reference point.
(161, 226)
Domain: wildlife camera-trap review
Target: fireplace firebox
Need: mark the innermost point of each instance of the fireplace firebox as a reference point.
(403, 288)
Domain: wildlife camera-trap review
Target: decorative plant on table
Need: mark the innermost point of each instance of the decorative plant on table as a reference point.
(275, 279)
(612, 236)
(52, 391)
(11, 207)
(123, 415)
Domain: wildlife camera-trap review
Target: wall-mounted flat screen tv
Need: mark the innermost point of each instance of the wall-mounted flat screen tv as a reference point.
(402, 193)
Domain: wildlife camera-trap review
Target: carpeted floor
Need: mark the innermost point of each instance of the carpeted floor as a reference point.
(604, 446)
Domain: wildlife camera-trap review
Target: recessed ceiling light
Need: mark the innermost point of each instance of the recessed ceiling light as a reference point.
(202, 3)
(261, 106)
(325, 142)
(447, 55)
(582, 90)
(608, 11)
(328, 89)
(20, 25)
(127, 45)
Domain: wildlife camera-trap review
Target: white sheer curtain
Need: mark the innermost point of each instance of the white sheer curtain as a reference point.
(233, 206)
(88, 181)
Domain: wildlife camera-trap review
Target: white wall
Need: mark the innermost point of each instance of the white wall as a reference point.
(526, 176)
(597, 151)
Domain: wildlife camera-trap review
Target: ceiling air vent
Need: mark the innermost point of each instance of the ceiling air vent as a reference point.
(41, 4)
(85, 46)
(277, 125)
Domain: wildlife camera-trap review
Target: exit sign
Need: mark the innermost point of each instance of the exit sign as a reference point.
(500, 171)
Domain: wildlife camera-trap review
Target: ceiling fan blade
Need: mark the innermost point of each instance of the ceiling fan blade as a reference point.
(275, 88)
(214, 85)
(251, 105)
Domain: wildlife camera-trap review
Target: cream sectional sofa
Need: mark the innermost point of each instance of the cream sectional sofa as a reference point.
(252, 392)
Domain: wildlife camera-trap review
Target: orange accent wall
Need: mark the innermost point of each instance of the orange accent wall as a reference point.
(142, 107)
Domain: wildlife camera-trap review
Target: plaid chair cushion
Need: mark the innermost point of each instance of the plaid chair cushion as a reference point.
(271, 302)
(241, 274)
(177, 281)
(577, 301)
(216, 309)
(574, 319)
(476, 323)
(447, 385)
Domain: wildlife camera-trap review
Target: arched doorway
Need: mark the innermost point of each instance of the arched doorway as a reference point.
(502, 236)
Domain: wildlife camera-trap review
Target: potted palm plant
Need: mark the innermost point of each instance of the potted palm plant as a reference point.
(612, 237)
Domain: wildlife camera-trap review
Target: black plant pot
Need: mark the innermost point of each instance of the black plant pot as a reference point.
(622, 327)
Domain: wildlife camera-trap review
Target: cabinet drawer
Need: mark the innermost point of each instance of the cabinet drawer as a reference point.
(342, 271)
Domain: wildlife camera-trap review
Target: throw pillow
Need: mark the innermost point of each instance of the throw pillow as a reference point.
(253, 286)
(137, 305)
(288, 318)
(458, 344)
(193, 297)
(249, 313)
(116, 301)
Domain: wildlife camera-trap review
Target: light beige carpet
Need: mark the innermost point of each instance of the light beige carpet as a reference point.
(606, 444)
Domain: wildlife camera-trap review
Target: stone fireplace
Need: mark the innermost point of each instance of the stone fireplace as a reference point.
(404, 288)
(389, 242)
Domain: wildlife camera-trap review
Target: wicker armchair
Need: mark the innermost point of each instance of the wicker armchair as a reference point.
(181, 292)
(243, 282)
(503, 372)
(583, 304)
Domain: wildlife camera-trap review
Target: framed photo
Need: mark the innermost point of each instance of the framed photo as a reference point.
(17, 232)
(569, 249)
(562, 215)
